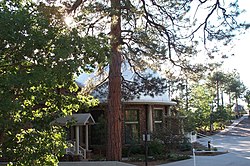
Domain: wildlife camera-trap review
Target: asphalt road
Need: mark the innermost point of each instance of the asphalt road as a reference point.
(236, 140)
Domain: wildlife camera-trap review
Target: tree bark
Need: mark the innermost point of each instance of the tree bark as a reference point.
(114, 145)
(222, 100)
(187, 102)
(236, 107)
(217, 93)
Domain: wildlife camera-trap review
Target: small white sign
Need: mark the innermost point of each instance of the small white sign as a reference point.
(144, 138)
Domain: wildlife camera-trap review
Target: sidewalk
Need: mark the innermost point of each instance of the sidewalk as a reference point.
(228, 159)
(94, 163)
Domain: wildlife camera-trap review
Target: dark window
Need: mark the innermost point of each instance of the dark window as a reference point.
(131, 119)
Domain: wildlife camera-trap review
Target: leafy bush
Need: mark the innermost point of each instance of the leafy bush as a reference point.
(136, 149)
(157, 150)
(133, 149)
(137, 157)
(155, 147)
(177, 157)
(186, 145)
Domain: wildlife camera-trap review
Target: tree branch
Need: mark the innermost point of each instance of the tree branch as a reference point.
(75, 5)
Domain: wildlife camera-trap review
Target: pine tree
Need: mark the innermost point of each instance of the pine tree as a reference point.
(148, 34)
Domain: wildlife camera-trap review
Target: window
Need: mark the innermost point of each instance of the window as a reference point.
(158, 119)
(131, 119)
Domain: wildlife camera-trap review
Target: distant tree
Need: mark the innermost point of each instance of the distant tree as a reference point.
(207, 91)
(39, 57)
(234, 87)
(247, 98)
(237, 88)
(217, 80)
(201, 99)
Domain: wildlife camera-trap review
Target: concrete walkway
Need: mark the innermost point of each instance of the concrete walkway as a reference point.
(94, 163)
(235, 139)
(228, 159)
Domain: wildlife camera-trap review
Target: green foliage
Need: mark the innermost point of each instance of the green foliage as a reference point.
(177, 157)
(200, 102)
(221, 117)
(206, 101)
(135, 149)
(237, 88)
(185, 145)
(233, 85)
(36, 147)
(189, 124)
(155, 147)
(99, 134)
(170, 136)
(39, 57)
(247, 98)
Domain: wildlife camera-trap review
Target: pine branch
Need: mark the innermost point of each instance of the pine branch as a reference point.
(76, 4)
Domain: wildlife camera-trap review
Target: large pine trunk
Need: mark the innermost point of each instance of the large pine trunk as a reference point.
(114, 144)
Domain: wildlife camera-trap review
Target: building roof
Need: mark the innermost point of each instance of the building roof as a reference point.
(155, 102)
(75, 120)
(161, 98)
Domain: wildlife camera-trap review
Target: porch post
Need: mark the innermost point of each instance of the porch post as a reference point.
(168, 111)
(87, 137)
(77, 140)
(150, 118)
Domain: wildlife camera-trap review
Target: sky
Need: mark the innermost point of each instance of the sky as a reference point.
(241, 59)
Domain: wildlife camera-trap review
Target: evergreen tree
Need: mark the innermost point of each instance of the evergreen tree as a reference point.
(39, 58)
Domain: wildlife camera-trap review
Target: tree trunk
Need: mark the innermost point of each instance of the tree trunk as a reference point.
(236, 106)
(217, 94)
(114, 145)
(230, 101)
(187, 103)
(222, 100)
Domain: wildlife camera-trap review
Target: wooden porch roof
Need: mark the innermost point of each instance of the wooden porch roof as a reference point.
(75, 120)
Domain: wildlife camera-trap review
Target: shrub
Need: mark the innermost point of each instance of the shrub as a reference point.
(177, 157)
(155, 147)
(132, 149)
(186, 145)
(157, 150)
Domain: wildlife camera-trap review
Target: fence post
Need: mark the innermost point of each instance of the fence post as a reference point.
(194, 157)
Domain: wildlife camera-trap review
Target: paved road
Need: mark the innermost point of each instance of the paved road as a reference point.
(235, 139)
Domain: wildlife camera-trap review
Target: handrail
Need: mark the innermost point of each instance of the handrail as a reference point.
(71, 149)
(84, 152)
(193, 137)
(204, 136)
